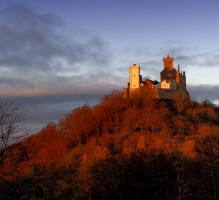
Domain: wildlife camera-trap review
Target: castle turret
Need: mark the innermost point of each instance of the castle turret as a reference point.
(168, 62)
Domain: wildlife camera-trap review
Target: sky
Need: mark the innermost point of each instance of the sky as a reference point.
(58, 55)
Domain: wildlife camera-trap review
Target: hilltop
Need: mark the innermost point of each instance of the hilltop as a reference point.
(122, 148)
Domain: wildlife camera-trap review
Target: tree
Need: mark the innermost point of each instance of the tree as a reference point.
(133, 177)
(10, 119)
(208, 148)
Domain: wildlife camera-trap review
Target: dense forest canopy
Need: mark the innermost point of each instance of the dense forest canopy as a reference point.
(122, 148)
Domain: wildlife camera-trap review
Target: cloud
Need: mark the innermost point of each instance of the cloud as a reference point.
(40, 110)
(39, 57)
(31, 41)
(14, 82)
(207, 60)
(212, 60)
(61, 86)
(193, 57)
(188, 56)
(203, 91)
(152, 67)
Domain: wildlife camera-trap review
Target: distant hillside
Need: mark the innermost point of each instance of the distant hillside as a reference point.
(122, 148)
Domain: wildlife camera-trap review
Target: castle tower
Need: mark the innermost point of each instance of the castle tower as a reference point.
(134, 77)
(169, 73)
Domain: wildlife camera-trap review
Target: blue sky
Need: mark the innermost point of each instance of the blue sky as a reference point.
(67, 53)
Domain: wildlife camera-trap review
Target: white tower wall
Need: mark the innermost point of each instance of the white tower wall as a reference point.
(134, 77)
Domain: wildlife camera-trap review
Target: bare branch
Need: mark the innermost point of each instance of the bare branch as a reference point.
(10, 121)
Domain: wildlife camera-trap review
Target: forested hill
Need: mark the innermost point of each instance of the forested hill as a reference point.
(134, 148)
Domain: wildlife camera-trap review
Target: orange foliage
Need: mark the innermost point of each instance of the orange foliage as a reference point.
(117, 126)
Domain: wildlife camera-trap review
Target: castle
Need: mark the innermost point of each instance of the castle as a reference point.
(172, 83)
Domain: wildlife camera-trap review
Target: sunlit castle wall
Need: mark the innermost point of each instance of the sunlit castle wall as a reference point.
(167, 85)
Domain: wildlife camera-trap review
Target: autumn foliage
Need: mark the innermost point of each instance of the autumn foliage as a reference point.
(123, 148)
